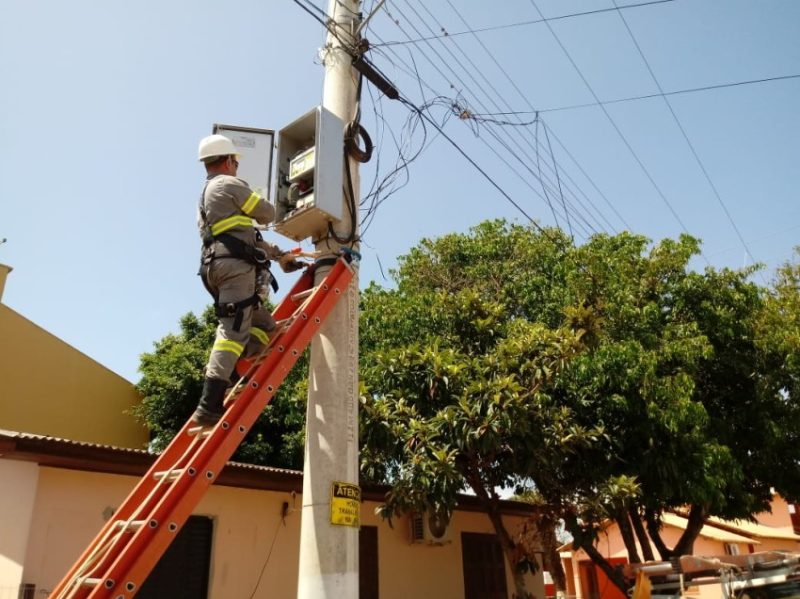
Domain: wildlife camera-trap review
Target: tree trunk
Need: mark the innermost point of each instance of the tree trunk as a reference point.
(638, 528)
(696, 521)
(550, 557)
(654, 530)
(614, 575)
(491, 505)
(627, 536)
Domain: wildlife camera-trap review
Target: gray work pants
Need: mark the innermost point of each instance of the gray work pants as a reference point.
(235, 280)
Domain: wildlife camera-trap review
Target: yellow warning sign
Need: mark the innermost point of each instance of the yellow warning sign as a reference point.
(345, 504)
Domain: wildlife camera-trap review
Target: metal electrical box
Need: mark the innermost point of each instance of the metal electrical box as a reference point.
(255, 154)
(308, 194)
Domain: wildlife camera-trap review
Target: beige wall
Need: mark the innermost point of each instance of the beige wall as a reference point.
(70, 506)
(779, 516)
(50, 388)
(16, 515)
(610, 544)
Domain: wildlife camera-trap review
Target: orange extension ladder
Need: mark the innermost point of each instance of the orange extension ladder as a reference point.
(120, 558)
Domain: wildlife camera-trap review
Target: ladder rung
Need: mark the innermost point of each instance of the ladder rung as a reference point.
(260, 359)
(168, 474)
(130, 526)
(199, 430)
(178, 489)
(303, 294)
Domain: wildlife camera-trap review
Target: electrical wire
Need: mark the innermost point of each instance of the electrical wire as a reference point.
(685, 135)
(558, 179)
(494, 150)
(514, 153)
(490, 97)
(422, 118)
(528, 157)
(352, 150)
(382, 189)
(616, 128)
(555, 186)
(269, 554)
(642, 97)
(527, 101)
(544, 187)
(447, 34)
(477, 167)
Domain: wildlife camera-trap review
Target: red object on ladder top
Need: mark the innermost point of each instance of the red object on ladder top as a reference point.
(120, 558)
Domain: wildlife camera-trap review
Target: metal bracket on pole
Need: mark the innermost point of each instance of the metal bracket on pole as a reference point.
(369, 16)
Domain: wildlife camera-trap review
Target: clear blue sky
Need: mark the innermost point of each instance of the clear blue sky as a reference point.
(103, 104)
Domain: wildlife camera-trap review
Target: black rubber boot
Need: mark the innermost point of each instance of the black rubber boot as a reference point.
(210, 408)
(235, 378)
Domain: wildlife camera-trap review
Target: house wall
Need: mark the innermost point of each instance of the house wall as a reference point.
(50, 388)
(71, 506)
(16, 515)
(779, 516)
(610, 544)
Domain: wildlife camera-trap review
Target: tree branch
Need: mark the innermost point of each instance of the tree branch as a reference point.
(627, 536)
(696, 521)
(582, 541)
(654, 530)
(638, 527)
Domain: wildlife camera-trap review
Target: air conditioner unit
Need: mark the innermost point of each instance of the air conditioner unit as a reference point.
(430, 527)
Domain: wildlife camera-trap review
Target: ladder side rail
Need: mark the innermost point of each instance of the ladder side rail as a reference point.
(285, 311)
(271, 373)
(148, 544)
(109, 538)
(90, 559)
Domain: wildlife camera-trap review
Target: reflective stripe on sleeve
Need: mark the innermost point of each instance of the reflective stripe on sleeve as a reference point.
(229, 223)
(250, 203)
(228, 345)
(260, 335)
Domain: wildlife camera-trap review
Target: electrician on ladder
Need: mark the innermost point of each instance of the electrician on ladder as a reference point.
(235, 270)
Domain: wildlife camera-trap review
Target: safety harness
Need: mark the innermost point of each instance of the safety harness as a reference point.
(238, 250)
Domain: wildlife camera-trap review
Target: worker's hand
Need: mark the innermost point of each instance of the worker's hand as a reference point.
(288, 263)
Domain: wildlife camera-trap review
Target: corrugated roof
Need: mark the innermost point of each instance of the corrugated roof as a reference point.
(92, 457)
(124, 450)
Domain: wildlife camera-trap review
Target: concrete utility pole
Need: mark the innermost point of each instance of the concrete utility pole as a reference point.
(328, 552)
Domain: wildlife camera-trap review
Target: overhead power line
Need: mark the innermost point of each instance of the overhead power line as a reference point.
(489, 91)
(525, 99)
(690, 90)
(685, 135)
(469, 159)
(557, 186)
(447, 34)
(454, 82)
(614, 125)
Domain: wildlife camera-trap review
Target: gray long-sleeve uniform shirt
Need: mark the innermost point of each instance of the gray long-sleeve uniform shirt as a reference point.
(230, 207)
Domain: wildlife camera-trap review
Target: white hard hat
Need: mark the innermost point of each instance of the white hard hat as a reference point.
(215, 145)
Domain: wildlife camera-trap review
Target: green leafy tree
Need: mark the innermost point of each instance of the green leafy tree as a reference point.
(779, 340)
(611, 378)
(458, 369)
(172, 380)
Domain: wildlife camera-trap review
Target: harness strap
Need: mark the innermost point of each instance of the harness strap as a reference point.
(236, 309)
(238, 249)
